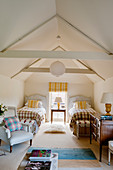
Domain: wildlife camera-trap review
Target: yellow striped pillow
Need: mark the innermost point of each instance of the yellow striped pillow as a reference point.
(80, 105)
(33, 103)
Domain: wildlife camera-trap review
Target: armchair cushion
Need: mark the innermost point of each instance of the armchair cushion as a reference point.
(12, 123)
(20, 136)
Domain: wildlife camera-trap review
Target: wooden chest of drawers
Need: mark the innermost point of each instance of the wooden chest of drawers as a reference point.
(100, 130)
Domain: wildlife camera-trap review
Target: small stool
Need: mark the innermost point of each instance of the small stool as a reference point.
(110, 150)
(28, 124)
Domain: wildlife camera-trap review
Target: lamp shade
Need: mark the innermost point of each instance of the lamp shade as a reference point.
(107, 98)
(57, 68)
(58, 99)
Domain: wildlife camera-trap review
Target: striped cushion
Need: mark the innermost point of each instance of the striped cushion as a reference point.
(80, 105)
(33, 103)
(12, 123)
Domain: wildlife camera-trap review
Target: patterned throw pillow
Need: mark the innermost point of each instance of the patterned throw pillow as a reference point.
(33, 103)
(12, 123)
(80, 105)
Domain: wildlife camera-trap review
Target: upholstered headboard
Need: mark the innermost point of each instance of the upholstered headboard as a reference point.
(78, 98)
(37, 97)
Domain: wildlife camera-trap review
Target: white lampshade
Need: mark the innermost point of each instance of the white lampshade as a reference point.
(107, 98)
(58, 99)
(57, 68)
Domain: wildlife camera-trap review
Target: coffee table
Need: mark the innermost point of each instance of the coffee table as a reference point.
(54, 165)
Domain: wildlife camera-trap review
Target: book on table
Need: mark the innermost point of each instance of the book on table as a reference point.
(41, 154)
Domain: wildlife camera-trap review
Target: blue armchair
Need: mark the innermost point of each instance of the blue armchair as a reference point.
(15, 137)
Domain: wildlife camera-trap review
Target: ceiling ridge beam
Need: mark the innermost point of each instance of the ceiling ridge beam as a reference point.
(28, 33)
(58, 47)
(25, 67)
(84, 34)
(69, 70)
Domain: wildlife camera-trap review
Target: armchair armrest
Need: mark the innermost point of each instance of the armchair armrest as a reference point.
(7, 132)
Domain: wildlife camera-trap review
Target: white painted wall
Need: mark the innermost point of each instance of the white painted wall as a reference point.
(11, 91)
(77, 85)
(99, 89)
(85, 89)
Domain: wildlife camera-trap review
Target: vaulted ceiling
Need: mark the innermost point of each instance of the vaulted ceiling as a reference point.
(39, 32)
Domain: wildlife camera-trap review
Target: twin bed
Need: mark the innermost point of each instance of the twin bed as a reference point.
(79, 112)
(32, 111)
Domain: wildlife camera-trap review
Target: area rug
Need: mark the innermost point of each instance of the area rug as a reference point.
(71, 158)
(75, 153)
(72, 153)
(55, 128)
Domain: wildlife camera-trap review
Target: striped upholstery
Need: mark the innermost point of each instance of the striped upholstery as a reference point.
(57, 87)
(81, 119)
(81, 114)
(77, 117)
(80, 105)
(83, 123)
(33, 103)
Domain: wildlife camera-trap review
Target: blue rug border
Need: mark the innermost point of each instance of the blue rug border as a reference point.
(92, 157)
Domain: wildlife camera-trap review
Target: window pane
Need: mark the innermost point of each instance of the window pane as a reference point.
(58, 94)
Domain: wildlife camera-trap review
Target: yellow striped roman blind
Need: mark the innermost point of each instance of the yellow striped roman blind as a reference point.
(57, 87)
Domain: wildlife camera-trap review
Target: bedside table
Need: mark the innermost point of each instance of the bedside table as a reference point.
(60, 110)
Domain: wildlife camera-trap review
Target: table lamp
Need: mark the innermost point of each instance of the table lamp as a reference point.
(58, 100)
(107, 98)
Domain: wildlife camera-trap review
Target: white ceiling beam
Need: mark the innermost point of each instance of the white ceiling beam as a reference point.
(47, 70)
(27, 34)
(25, 67)
(80, 71)
(56, 54)
(83, 64)
(91, 69)
(57, 48)
(34, 69)
(45, 22)
(85, 35)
